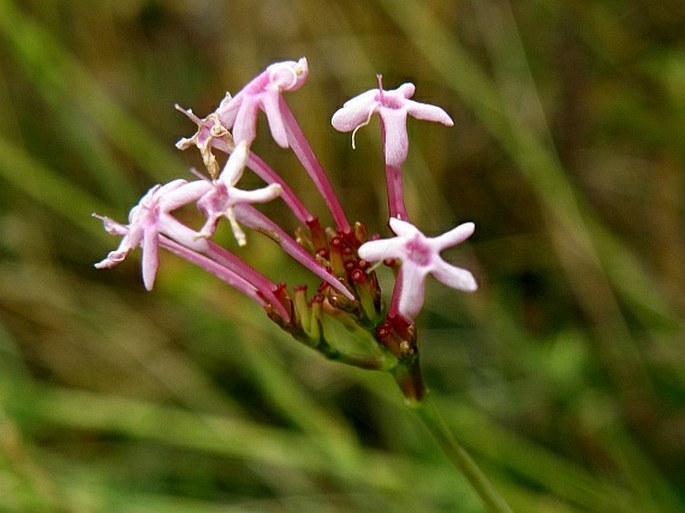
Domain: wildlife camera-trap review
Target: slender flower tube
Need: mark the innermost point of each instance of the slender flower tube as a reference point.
(216, 260)
(420, 256)
(228, 276)
(188, 238)
(262, 170)
(303, 151)
(253, 218)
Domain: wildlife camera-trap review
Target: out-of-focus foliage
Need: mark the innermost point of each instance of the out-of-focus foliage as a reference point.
(564, 374)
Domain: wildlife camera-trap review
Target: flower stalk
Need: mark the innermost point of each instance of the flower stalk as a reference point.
(458, 455)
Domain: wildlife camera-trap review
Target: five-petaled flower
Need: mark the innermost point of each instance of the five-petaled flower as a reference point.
(145, 225)
(393, 107)
(222, 195)
(420, 255)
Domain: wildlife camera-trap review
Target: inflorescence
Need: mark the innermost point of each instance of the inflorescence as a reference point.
(344, 257)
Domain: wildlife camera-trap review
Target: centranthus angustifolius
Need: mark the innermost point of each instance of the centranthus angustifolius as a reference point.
(343, 256)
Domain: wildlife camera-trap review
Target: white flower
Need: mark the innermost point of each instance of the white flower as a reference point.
(222, 195)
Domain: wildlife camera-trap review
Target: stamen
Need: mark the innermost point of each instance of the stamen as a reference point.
(379, 77)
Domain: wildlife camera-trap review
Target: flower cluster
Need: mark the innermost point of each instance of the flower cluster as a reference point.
(345, 258)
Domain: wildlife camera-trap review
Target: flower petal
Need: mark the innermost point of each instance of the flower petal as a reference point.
(263, 195)
(396, 139)
(287, 75)
(111, 226)
(403, 228)
(113, 258)
(428, 112)
(355, 112)
(245, 126)
(454, 236)
(150, 262)
(184, 195)
(453, 276)
(407, 89)
(377, 250)
(271, 104)
(235, 165)
(412, 294)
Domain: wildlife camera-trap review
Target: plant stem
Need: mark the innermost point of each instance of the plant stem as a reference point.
(458, 455)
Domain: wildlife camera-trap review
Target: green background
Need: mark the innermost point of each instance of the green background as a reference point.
(564, 374)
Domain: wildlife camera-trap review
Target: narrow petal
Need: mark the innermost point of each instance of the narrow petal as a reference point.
(407, 89)
(235, 165)
(159, 191)
(150, 257)
(111, 226)
(113, 258)
(245, 126)
(403, 228)
(453, 276)
(302, 71)
(413, 290)
(396, 139)
(287, 75)
(228, 110)
(267, 174)
(171, 228)
(184, 195)
(271, 104)
(263, 195)
(377, 250)
(454, 236)
(355, 112)
(210, 225)
(428, 112)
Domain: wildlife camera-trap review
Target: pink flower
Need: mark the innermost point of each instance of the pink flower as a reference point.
(393, 107)
(420, 255)
(239, 113)
(147, 222)
(222, 195)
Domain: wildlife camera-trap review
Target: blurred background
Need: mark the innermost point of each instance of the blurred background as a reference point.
(564, 374)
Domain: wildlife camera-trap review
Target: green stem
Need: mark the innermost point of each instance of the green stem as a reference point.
(458, 455)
